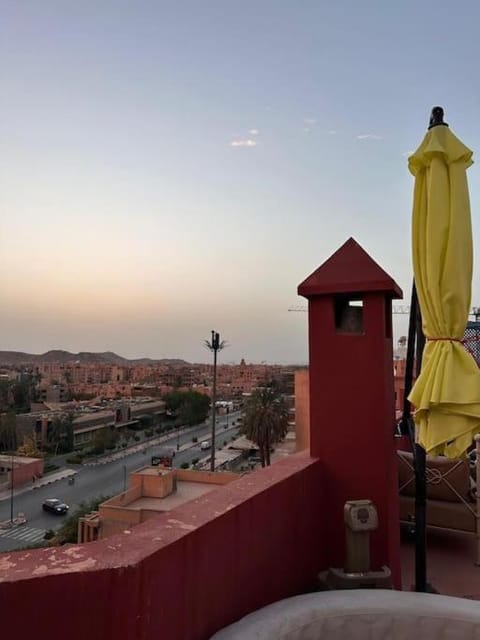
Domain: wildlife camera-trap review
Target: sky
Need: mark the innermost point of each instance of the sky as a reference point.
(172, 167)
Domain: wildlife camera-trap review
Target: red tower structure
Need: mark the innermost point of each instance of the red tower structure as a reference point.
(352, 396)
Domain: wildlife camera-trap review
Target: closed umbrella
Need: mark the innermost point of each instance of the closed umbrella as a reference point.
(446, 394)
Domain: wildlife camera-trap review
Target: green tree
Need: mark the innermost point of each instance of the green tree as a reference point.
(105, 438)
(173, 400)
(6, 395)
(188, 407)
(60, 434)
(8, 439)
(265, 420)
(23, 391)
(194, 408)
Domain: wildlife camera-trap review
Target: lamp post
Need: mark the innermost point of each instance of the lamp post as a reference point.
(11, 488)
(124, 477)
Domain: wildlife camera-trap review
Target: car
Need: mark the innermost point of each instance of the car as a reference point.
(55, 506)
(205, 445)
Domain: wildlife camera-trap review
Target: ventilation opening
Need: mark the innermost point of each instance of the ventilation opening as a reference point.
(348, 315)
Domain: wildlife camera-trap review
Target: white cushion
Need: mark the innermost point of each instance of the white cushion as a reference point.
(361, 614)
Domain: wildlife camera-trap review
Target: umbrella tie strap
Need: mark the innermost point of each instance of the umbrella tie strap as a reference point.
(444, 340)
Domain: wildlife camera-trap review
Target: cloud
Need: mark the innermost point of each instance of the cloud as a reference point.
(254, 132)
(310, 120)
(369, 136)
(306, 129)
(331, 132)
(243, 142)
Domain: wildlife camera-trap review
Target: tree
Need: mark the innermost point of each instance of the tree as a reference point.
(104, 439)
(24, 392)
(6, 395)
(8, 439)
(188, 407)
(173, 400)
(194, 409)
(265, 421)
(60, 434)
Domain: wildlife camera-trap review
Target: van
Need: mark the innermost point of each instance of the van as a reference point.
(205, 445)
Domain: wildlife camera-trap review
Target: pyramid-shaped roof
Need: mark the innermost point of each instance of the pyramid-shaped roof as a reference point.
(349, 270)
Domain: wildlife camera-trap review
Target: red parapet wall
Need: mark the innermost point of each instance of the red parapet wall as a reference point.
(183, 575)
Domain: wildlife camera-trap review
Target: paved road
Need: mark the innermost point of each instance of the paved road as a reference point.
(91, 482)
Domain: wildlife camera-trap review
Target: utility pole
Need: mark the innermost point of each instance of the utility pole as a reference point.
(214, 345)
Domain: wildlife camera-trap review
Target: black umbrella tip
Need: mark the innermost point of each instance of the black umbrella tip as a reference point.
(436, 118)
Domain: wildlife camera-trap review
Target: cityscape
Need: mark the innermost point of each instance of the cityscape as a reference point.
(240, 352)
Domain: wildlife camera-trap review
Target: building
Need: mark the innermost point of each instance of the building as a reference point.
(88, 419)
(152, 491)
(25, 470)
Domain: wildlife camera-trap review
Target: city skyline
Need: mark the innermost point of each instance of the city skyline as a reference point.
(166, 170)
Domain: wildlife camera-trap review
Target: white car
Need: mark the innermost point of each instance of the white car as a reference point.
(205, 445)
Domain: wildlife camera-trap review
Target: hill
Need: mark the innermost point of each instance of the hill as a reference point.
(58, 356)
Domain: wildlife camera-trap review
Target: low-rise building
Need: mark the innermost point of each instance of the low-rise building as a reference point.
(152, 491)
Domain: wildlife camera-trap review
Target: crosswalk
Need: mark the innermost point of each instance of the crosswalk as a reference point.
(23, 534)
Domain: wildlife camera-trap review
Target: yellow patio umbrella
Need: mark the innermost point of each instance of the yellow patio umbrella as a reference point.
(446, 395)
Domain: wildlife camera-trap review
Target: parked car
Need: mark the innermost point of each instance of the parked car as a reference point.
(55, 506)
(205, 445)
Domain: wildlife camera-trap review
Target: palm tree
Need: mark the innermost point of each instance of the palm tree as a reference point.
(215, 345)
(265, 420)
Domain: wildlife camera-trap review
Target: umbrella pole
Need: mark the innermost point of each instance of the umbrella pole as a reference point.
(421, 584)
(415, 344)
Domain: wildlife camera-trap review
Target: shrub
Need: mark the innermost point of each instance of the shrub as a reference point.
(49, 534)
(194, 439)
(75, 459)
(136, 438)
(184, 465)
(195, 460)
(148, 433)
(49, 466)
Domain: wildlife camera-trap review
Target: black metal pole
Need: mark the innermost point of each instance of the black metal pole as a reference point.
(215, 347)
(406, 422)
(415, 344)
(420, 474)
(11, 489)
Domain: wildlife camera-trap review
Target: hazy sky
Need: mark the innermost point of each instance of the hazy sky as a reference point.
(171, 167)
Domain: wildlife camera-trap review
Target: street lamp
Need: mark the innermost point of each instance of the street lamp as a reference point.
(13, 443)
(11, 488)
(214, 345)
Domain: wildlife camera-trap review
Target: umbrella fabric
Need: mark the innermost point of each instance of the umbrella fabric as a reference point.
(446, 395)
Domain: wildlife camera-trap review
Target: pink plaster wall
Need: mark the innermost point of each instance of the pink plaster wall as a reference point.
(182, 575)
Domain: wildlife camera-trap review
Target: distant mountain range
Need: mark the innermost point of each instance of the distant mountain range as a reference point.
(9, 358)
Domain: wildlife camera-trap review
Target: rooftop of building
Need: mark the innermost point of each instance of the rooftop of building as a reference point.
(184, 492)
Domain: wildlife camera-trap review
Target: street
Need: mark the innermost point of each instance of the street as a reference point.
(102, 480)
